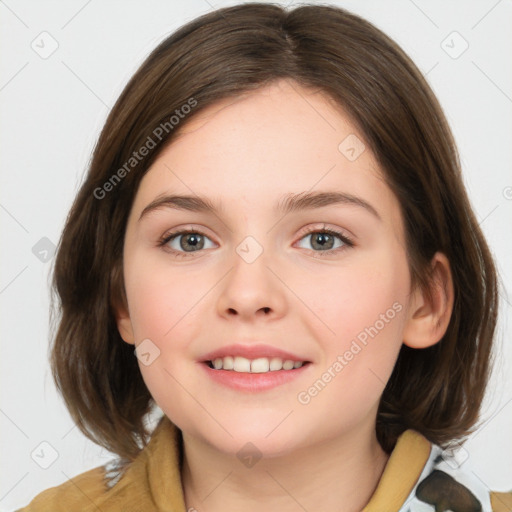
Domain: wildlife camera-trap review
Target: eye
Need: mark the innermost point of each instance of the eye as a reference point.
(325, 240)
(184, 241)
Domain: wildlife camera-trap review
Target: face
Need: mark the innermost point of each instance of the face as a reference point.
(327, 282)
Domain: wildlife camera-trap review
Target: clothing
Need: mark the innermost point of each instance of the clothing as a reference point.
(415, 475)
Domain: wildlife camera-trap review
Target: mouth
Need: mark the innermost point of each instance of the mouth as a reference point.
(259, 365)
(253, 375)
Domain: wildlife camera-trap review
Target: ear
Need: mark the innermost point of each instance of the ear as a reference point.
(428, 319)
(124, 325)
(119, 306)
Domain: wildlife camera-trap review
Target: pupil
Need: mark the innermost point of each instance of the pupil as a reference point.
(322, 239)
(192, 240)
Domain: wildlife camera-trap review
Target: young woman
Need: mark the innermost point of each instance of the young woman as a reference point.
(274, 246)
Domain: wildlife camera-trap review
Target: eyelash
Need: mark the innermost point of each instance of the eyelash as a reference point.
(180, 254)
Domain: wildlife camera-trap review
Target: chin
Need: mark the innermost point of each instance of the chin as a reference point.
(268, 437)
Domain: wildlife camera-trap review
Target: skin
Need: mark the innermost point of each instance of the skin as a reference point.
(246, 153)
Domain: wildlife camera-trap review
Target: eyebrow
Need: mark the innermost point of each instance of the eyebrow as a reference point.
(287, 204)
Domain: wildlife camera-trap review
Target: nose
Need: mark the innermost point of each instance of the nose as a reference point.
(252, 289)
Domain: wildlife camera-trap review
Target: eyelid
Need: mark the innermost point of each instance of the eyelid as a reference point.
(180, 230)
(325, 227)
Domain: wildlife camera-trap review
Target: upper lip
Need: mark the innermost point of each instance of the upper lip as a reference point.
(253, 351)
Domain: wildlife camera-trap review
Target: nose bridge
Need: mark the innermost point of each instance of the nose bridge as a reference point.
(253, 233)
(251, 286)
(258, 236)
(252, 257)
(250, 249)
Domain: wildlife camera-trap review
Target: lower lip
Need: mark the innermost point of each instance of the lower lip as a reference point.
(253, 382)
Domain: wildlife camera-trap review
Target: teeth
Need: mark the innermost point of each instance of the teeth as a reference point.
(260, 365)
(276, 364)
(241, 364)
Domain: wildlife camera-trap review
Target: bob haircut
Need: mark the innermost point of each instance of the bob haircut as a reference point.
(232, 51)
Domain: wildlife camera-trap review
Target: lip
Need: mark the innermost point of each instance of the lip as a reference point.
(253, 351)
(253, 382)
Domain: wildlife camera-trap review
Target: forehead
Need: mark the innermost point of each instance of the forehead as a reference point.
(253, 149)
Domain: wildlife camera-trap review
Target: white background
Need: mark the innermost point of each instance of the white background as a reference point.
(53, 110)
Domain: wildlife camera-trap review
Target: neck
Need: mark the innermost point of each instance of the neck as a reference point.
(339, 474)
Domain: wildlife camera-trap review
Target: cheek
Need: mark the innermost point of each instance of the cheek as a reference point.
(362, 310)
(347, 303)
(165, 309)
(162, 300)
(358, 361)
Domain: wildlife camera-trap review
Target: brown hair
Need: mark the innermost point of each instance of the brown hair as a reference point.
(232, 51)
